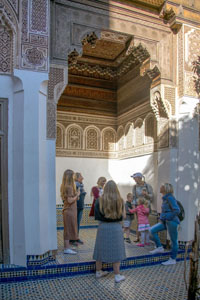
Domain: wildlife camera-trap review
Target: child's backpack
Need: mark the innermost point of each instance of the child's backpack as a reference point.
(181, 214)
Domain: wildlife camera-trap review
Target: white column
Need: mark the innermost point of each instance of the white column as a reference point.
(188, 176)
(39, 167)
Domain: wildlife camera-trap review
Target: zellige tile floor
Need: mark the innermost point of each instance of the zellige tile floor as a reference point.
(147, 283)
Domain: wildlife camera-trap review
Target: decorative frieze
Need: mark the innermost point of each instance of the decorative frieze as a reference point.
(80, 135)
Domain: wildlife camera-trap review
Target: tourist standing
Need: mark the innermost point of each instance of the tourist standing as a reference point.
(69, 196)
(109, 244)
(141, 189)
(96, 192)
(80, 202)
(168, 221)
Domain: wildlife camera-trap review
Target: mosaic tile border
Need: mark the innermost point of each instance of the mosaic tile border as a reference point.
(34, 260)
(74, 269)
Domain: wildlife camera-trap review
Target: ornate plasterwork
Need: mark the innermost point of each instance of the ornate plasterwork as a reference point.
(56, 76)
(8, 33)
(192, 54)
(87, 136)
(150, 125)
(35, 32)
(51, 119)
(74, 136)
(56, 84)
(109, 139)
(167, 14)
(161, 109)
(38, 17)
(6, 50)
(170, 96)
(159, 106)
(14, 4)
(90, 39)
(60, 132)
(135, 56)
(180, 64)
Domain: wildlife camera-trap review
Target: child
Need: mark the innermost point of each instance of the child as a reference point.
(142, 211)
(129, 217)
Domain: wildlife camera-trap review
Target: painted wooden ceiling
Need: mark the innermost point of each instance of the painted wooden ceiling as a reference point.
(106, 64)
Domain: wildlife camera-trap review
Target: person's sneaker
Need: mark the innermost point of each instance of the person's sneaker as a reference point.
(69, 251)
(128, 240)
(140, 245)
(73, 243)
(101, 273)
(157, 250)
(80, 242)
(171, 261)
(119, 278)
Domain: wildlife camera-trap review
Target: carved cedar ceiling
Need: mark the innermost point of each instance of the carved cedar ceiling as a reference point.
(149, 3)
(107, 68)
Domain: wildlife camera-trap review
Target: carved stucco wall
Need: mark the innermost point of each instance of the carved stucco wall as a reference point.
(79, 22)
(24, 35)
(35, 35)
(133, 134)
(192, 52)
(9, 23)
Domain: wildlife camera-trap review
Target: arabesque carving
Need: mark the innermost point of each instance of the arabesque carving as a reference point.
(167, 14)
(159, 106)
(72, 57)
(34, 28)
(6, 50)
(136, 56)
(90, 39)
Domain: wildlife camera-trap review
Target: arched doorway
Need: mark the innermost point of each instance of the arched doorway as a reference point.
(103, 112)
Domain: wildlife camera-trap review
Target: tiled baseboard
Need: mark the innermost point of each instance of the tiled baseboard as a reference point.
(39, 260)
(72, 269)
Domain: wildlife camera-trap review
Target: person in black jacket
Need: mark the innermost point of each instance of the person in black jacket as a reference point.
(80, 202)
(109, 245)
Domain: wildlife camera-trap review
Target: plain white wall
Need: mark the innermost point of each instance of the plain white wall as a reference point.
(118, 170)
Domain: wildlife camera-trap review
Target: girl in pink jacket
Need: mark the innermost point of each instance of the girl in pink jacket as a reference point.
(142, 211)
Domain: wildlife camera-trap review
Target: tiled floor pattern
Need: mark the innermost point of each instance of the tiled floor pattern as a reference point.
(148, 283)
(82, 262)
(85, 252)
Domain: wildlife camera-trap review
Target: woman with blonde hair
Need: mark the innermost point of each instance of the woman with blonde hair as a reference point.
(168, 221)
(69, 197)
(96, 192)
(109, 245)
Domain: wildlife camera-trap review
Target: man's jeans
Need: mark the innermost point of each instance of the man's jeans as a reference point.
(172, 228)
(79, 217)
